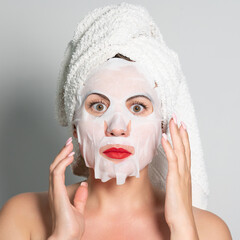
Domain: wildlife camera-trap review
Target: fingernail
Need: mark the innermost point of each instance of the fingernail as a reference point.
(85, 184)
(184, 125)
(71, 154)
(69, 141)
(165, 136)
(174, 118)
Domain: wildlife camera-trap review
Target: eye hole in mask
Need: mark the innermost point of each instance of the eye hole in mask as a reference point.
(140, 105)
(94, 106)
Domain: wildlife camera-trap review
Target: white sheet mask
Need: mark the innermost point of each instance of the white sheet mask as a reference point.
(118, 80)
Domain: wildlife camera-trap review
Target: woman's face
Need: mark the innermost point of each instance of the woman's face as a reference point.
(118, 121)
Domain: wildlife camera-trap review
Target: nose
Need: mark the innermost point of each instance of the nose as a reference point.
(117, 126)
(116, 132)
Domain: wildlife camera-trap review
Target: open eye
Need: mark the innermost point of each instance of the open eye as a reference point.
(99, 107)
(96, 104)
(138, 107)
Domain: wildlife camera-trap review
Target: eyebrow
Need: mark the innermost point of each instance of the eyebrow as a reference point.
(141, 95)
(101, 95)
(135, 96)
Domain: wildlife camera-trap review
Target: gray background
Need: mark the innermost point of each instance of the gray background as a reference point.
(34, 35)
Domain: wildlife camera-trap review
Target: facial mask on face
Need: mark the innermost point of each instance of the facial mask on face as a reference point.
(117, 127)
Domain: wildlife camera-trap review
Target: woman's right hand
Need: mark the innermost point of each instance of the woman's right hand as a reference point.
(67, 219)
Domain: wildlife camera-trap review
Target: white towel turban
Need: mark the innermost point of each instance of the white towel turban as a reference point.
(129, 30)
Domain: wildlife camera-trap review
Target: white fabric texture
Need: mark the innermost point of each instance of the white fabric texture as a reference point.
(130, 30)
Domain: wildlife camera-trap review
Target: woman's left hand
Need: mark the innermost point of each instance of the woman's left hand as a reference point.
(178, 200)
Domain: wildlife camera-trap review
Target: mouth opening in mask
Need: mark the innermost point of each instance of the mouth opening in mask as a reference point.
(116, 152)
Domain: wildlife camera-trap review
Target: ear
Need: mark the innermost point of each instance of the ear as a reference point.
(74, 131)
(163, 126)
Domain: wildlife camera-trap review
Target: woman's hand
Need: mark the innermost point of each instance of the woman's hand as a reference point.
(67, 219)
(178, 200)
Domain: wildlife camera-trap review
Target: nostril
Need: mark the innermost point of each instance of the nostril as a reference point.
(122, 134)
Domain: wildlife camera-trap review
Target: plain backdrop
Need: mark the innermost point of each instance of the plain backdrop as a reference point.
(34, 35)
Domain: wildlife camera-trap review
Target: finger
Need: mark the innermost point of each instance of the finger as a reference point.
(52, 166)
(80, 197)
(178, 146)
(170, 154)
(186, 143)
(60, 196)
(51, 196)
(67, 148)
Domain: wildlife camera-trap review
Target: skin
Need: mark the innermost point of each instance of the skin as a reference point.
(73, 212)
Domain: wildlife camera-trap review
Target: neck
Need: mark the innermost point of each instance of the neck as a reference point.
(136, 194)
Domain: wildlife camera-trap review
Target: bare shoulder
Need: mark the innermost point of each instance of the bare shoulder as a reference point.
(17, 216)
(28, 215)
(210, 226)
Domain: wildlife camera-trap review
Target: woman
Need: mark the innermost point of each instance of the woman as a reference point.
(120, 108)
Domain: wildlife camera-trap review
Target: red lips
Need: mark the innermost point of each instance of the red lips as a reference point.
(117, 153)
